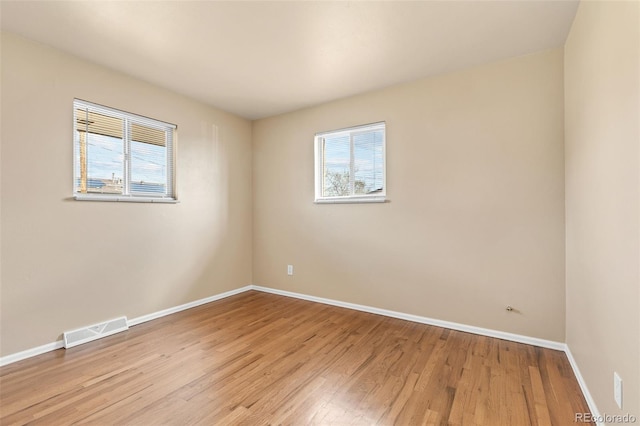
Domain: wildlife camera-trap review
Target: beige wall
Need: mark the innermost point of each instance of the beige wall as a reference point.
(67, 264)
(602, 94)
(475, 218)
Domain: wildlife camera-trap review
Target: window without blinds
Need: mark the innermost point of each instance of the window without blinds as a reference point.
(350, 164)
(121, 156)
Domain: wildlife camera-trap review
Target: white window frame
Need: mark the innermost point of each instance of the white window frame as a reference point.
(128, 119)
(378, 197)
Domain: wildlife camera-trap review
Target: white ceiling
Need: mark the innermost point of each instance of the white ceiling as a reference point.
(258, 59)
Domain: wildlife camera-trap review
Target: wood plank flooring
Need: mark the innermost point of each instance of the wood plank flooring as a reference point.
(257, 358)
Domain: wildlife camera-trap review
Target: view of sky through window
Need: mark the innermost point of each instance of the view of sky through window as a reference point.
(366, 167)
(105, 162)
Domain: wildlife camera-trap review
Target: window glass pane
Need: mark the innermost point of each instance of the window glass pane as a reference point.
(350, 164)
(336, 165)
(148, 167)
(100, 148)
(368, 162)
(104, 164)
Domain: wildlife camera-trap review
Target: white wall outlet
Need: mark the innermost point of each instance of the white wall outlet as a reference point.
(617, 389)
(289, 269)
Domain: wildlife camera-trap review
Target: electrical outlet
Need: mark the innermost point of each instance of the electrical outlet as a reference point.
(289, 269)
(617, 389)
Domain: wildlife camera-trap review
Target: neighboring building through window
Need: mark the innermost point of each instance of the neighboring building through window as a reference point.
(350, 165)
(119, 156)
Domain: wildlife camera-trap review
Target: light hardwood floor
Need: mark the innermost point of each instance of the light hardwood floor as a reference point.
(257, 358)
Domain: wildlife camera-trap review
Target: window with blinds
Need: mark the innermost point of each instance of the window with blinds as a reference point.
(119, 156)
(350, 164)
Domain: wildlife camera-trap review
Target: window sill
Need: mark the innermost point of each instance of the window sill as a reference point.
(122, 198)
(351, 200)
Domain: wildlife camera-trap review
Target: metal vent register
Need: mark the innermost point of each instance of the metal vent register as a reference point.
(94, 332)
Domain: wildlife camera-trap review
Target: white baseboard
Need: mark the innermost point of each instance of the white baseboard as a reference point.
(583, 385)
(169, 311)
(550, 344)
(19, 356)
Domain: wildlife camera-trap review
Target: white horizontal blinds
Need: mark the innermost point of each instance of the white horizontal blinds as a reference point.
(352, 162)
(122, 153)
(368, 162)
(100, 152)
(148, 160)
(336, 165)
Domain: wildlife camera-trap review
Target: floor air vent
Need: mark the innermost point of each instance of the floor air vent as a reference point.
(93, 332)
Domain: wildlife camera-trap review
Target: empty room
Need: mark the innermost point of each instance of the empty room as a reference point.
(320, 212)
